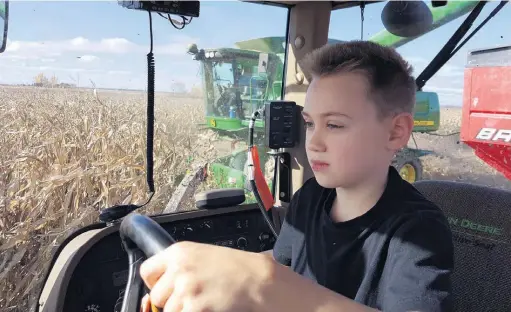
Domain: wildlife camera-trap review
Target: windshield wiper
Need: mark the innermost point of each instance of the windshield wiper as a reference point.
(450, 48)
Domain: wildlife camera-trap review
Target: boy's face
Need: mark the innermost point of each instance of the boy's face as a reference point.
(346, 142)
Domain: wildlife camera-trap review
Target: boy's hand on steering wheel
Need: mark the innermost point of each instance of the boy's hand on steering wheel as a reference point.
(190, 276)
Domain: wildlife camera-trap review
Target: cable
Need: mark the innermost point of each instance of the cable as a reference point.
(150, 108)
(119, 211)
(261, 208)
(416, 145)
(251, 177)
(443, 135)
(173, 22)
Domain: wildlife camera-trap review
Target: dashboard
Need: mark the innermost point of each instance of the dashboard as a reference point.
(94, 277)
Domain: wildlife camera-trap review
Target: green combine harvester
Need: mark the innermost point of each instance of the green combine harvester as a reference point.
(237, 81)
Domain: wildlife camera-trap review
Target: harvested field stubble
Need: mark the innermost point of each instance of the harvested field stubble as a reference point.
(67, 154)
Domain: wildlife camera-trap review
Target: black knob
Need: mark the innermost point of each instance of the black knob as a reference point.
(263, 237)
(242, 243)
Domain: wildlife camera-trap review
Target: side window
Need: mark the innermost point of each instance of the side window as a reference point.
(435, 151)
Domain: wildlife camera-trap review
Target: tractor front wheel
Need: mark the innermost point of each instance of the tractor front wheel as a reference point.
(409, 168)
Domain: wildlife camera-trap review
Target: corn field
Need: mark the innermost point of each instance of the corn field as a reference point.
(66, 154)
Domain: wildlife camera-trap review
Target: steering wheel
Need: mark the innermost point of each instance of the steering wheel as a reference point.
(142, 238)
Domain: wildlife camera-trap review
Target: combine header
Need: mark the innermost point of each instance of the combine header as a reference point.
(486, 120)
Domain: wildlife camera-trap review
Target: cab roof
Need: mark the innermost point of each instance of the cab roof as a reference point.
(335, 4)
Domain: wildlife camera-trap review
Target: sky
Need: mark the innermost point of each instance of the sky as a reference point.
(102, 43)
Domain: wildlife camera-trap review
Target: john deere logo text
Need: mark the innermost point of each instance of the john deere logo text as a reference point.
(492, 134)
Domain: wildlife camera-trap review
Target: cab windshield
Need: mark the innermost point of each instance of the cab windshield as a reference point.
(73, 102)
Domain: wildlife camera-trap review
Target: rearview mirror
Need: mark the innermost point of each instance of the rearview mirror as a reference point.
(407, 18)
(4, 18)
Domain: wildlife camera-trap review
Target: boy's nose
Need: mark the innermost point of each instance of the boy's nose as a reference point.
(315, 142)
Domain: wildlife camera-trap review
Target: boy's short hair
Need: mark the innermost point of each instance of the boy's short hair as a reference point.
(392, 86)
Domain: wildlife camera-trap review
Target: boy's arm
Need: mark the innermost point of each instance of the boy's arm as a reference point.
(289, 291)
(282, 247)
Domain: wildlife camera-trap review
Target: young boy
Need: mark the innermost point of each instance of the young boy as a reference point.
(357, 227)
(366, 236)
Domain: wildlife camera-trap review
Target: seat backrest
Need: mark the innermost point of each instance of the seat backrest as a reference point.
(480, 219)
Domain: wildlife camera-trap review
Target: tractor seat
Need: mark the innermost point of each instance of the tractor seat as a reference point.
(480, 219)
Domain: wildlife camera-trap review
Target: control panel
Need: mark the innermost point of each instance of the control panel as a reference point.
(242, 231)
(100, 278)
(281, 124)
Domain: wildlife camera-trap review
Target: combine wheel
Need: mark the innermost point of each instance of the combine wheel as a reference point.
(238, 161)
(409, 167)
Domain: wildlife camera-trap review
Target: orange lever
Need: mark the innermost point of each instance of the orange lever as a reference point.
(262, 186)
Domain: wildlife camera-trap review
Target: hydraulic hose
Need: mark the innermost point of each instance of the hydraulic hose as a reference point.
(265, 208)
(261, 207)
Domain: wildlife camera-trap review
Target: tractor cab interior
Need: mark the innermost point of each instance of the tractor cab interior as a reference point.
(243, 87)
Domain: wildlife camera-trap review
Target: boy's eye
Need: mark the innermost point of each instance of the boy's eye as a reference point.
(308, 124)
(332, 126)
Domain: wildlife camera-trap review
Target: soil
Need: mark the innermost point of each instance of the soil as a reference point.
(452, 159)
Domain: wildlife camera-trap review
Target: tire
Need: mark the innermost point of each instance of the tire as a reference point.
(409, 167)
(239, 161)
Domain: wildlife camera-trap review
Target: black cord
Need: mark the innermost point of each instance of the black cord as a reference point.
(150, 109)
(443, 135)
(119, 211)
(174, 24)
(185, 21)
(253, 185)
(416, 145)
(262, 209)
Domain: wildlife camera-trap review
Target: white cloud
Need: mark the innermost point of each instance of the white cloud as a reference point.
(451, 71)
(52, 48)
(88, 58)
(414, 60)
(118, 72)
(32, 68)
(79, 44)
(444, 89)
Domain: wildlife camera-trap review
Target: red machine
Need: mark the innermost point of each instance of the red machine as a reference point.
(486, 120)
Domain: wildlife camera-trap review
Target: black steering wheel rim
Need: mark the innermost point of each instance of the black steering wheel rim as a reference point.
(145, 233)
(142, 238)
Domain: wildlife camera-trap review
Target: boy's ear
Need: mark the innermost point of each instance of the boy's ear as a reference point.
(401, 130)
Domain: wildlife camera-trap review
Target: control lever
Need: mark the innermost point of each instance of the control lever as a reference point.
(141, 237)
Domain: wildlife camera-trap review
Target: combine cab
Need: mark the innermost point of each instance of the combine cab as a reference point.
(486, 122)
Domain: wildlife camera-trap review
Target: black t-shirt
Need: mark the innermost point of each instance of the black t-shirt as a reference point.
(396, 257)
